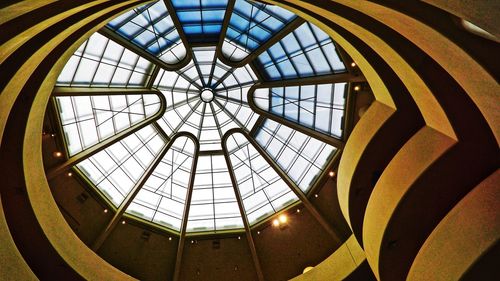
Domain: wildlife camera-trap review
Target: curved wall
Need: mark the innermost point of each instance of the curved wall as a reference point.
(417, 156)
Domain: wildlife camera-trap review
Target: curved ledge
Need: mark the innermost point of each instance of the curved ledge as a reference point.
(438, 259)
(13, 263)
(340, 265)
(31, 95)
(366, 129)
(482, 87)
(391, 191)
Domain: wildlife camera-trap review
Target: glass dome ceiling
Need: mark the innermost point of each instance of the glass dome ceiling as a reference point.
(201, 116)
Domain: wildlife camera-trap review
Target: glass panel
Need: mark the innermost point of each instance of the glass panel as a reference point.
(262, 190)
(201, 20)
(318, 107)
(307, 51)
(151, 28)
(252, 24)
(116, 169)
(163, 196)
(213, 205)
(207, 121)
(100, 62)
(88, 120)
(301, 157)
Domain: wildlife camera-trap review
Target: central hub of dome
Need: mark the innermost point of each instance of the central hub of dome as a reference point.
(207, 95)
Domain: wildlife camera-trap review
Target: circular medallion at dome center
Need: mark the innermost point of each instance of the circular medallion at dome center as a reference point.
(207, 95)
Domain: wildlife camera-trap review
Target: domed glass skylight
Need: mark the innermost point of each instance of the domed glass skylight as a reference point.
(196, 115)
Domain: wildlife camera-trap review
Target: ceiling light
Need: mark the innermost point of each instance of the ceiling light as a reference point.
(57, 154)
(298, 210)
(307, 269)
(283, 218)
(331, 174)
(353, 64)
(357, 88)
(276, 222)
(70, 174)
(316, 195)
(105, 210)
(123, 222)
(169, 238)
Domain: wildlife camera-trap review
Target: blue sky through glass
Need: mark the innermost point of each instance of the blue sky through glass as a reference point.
(201, 20)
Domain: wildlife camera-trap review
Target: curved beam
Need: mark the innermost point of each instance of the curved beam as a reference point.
(447, 95)
(291, 26)
(71, 161)
(251, 243)
(134, 191)
(334, 78)
(110, 34)
(308, 131)
(182, 238)
(296, 190)
(40, 54)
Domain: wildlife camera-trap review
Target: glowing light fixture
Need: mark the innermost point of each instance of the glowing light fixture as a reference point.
(283, 218)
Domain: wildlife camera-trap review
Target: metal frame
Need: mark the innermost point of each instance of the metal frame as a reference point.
(291, 26)
(302, 197)
(248, 231)
(77, 158)
(137, 187)
(352, 76)
(182, 238)
(106, 31)
(334, 78)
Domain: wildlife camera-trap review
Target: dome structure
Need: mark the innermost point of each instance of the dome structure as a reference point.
(410, 192)
(172, 88)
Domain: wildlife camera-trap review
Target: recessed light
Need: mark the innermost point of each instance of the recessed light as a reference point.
(353, 64)
(283, 218)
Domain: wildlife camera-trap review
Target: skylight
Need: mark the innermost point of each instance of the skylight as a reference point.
(154, 111)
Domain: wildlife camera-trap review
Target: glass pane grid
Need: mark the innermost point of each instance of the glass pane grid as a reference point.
(213, 204)
(300, 156)
(262, 190)
(151, 28)
(88, 120)
(307, 51)
(318, 107)
(252, 24)
(162, 198)
(116, 169)
(201, 20)
(100, 62)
